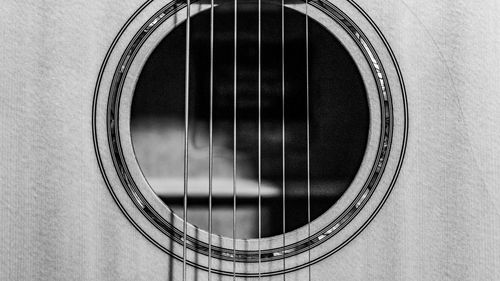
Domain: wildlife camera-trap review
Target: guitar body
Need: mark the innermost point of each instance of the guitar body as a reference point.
(433, 213)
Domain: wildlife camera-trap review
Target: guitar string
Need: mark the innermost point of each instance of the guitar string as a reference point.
(211, 143)
(186, 135)
(234, 133)
(186, 149)
(308, 141)
(260, 133)
(283, 126)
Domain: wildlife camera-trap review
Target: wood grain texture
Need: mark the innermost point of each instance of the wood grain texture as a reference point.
(59, 221)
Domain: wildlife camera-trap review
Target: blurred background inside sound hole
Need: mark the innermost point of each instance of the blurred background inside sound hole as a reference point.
(339, 120)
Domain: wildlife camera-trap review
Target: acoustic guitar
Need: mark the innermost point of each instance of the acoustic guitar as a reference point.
(250, 140)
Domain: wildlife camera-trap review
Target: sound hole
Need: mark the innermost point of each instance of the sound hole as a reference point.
(339, 120)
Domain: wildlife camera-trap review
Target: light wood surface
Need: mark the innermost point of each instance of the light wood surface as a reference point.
(59, 221)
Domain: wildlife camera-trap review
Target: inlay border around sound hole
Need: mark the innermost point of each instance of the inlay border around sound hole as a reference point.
(127, 182)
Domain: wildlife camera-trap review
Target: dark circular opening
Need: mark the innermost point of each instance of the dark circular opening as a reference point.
(338, 120)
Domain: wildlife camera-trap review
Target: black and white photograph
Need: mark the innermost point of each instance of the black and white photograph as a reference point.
(250, 140)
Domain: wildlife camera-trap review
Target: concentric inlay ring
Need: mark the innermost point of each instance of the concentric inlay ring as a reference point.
(336, 227)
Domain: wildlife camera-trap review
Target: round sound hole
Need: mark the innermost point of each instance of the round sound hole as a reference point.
(338, 121)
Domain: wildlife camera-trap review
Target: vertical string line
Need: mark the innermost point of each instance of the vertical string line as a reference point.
(186, 136)
(211, 143)
(234, 132)
(308, 142)
(283, 125)
(260, 132)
